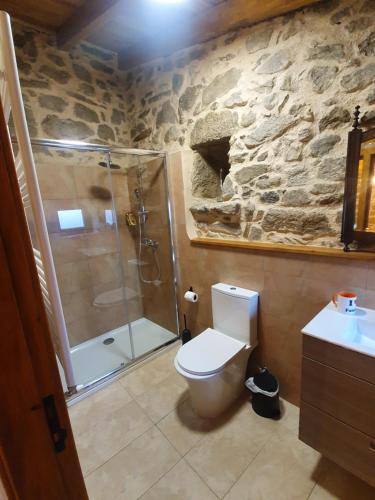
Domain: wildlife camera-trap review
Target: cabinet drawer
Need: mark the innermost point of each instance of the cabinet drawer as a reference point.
(351, 449)
(344, 397)
(347, 361)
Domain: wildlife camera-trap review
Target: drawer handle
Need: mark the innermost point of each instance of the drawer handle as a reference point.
(372, 445)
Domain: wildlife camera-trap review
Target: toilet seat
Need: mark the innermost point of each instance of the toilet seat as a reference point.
(208, 353)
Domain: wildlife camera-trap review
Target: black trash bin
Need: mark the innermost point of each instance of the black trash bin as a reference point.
(265, 394)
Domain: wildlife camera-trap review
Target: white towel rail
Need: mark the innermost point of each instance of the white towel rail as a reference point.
(12, 101)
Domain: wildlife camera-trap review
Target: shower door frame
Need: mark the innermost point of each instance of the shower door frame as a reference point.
(107, 149)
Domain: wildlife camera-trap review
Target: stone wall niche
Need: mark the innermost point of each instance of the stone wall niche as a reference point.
(211, 166)
(210, 139)
(211, 209)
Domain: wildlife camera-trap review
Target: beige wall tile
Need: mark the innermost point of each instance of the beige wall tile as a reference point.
(81, 329)
(66, 248)
(77, 304)
(370, 282)
(339, 272)
(105, 268)
(284, 264)
(74, 276)
(55, 181)
(88, 175)
(99, 242)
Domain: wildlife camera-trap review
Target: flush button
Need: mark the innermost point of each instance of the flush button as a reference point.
(233, 288)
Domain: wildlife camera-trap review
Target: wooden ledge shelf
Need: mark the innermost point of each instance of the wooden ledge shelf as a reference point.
(277, 247)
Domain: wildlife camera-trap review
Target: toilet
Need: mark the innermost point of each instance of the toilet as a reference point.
(214, 363)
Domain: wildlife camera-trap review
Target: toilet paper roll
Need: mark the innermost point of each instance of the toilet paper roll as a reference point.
(191, 296)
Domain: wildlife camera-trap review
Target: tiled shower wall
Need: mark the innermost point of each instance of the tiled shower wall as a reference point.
(90, 260)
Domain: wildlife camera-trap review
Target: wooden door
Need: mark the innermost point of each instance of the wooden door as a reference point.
(38, 458)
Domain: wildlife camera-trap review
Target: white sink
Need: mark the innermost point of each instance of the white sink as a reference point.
(352, 331)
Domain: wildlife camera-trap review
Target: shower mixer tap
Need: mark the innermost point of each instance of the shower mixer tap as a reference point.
(148, 242)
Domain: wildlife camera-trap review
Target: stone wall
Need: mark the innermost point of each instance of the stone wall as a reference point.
(282, 92)
(76, 95)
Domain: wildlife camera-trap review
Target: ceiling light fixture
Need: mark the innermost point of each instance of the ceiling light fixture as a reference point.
(169, 1)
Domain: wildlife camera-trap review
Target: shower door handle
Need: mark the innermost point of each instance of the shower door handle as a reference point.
(58, 434)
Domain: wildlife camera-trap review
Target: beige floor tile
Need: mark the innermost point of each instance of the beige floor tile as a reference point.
(133, 470)
(85, 414)
(285, 469)
(110, 435)
(180, 483)
(159, 400)
(184, 428)
(151, 373)
(337, 484)
(222, 456)
(289, 416)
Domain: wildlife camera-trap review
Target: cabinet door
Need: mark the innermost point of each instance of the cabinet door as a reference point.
(351, 449)
(342, 396)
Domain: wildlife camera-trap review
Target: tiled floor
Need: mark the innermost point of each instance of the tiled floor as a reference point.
(139, 438)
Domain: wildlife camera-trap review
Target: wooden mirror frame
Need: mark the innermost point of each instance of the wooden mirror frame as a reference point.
(348, 234)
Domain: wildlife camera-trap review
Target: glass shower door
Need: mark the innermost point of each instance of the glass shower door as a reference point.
(77, 191)
(146, 247)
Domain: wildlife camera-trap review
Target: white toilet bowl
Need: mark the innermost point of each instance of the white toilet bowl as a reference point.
(214, 363)
(214, 366)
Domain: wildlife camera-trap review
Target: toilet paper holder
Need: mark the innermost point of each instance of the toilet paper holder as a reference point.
(191, 296)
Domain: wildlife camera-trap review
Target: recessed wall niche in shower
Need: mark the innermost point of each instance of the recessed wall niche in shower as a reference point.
(118, 294)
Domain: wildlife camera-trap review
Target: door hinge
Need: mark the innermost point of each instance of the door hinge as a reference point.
(58, 434)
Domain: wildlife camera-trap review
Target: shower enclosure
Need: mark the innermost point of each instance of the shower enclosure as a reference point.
(108, 221)
(99, 221)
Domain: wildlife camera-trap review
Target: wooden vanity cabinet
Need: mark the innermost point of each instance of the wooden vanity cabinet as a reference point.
(337, 415)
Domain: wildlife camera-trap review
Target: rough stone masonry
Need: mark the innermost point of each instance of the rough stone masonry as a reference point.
(281, 92)
(284, 91)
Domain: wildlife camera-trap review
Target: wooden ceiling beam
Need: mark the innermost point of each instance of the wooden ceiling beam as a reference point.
(84, 21)
(195, 29)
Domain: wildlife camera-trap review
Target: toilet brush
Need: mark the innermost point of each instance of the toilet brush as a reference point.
(186, 333)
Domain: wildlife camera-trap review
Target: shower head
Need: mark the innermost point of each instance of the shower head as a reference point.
(112, 166)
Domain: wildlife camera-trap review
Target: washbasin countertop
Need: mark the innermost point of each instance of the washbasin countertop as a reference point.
(353, 331)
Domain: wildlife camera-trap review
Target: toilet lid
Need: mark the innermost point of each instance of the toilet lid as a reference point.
(208, 352)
